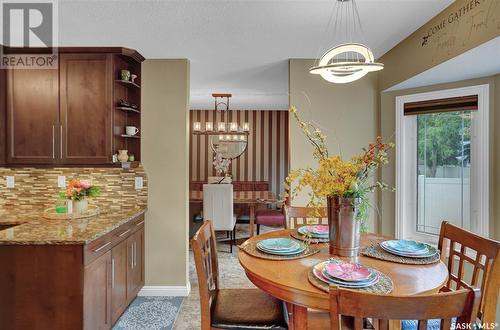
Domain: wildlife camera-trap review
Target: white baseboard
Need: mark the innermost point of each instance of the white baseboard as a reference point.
(171, 291)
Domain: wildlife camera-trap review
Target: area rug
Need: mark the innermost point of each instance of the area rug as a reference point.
(150, 313)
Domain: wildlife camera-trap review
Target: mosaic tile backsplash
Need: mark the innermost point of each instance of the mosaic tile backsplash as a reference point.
(37, 187)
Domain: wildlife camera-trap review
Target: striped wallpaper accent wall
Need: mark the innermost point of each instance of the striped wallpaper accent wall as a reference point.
(266, 157)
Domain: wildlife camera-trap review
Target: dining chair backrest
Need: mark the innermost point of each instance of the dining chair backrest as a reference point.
(218, 206)
(301, 216)
(475, 255)
(461, 304)
(207, 269)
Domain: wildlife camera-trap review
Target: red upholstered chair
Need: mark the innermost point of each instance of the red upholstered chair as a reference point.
(270, 217)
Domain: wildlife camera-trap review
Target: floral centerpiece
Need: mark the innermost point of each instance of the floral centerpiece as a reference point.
(220, 163)
(343, 185)
(78, 191)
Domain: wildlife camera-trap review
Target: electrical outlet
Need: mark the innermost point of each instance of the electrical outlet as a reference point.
(61, 181)
(10, 181)
(138, 182)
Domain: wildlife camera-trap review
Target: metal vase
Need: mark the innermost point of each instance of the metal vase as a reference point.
(344, 228)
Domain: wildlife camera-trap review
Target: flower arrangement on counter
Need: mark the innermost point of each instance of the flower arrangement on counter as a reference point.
(79, 190)
(336, 177)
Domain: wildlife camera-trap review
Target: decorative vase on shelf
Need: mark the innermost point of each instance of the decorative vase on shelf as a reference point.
(122, 155)
(80, 206)
(343, 225)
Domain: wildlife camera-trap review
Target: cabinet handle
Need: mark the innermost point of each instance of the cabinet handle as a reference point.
(113, 272)
(139, 223)
(61, 131)
(132, 256)
(102, 247)
(133, 249)
(135, 253)
(124, 233)
(53, 142)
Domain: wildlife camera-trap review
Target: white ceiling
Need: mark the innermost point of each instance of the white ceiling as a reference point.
(235, 46)
(474, 63)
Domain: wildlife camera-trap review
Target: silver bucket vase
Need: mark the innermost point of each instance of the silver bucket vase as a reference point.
(344, 228)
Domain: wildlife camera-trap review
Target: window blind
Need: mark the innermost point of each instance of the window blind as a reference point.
(452, 104)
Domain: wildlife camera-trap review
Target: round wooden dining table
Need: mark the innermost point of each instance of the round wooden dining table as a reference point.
(288, 279)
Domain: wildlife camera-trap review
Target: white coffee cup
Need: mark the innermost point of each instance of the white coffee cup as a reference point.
(131, 130)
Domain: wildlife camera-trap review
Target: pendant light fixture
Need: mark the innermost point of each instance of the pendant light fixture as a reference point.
(349, 61)
(225, 137)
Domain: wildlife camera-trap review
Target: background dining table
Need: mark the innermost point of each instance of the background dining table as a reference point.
(288, 279)
(250, 198)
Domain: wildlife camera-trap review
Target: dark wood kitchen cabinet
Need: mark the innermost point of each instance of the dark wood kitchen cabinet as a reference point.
(73, 115)
(32, 116)
(85, 89)
(72, 286)
(97, 294)
(119, 264)
(135, 278)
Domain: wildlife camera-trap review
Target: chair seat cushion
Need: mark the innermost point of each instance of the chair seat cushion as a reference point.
(247, 309)
(269, 217)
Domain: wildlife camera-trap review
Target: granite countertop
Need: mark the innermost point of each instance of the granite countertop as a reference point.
(35, 229)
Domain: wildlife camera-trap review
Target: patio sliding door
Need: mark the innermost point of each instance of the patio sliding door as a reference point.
(442, 157)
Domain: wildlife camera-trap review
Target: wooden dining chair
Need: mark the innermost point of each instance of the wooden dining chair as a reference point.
(475, 256)
(230, 308)
(350, 305)
(301, 216)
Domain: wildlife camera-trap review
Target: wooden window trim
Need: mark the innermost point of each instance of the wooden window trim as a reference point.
(451, 104)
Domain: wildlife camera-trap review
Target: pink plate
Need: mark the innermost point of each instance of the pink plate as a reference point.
(347, 271)
(318, 229)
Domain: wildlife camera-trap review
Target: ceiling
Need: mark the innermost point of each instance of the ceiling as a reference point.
(474, 63)
(235, 46)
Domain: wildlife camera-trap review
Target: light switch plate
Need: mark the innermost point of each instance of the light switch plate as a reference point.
(61, 181)
(10, 181)
(138, 182)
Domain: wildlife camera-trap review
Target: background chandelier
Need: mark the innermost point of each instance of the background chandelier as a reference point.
(348, 61)
(227, 138)
(221, 102)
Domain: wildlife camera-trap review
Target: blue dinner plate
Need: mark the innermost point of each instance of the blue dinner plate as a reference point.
(279, 244)
(282, 253)
(263, 248)
(429, 251)
(406, 246)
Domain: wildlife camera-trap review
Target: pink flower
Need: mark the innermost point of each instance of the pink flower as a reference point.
(84, 185)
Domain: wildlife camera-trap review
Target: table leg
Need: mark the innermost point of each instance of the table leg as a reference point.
(252, 219)
(298, 319)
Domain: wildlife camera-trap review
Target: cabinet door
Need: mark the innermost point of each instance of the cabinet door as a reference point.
(97, 294)
(119, 266)
(136, 265)
(85, 100)
(32, 116)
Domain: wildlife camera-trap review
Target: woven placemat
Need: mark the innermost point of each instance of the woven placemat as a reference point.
(375, 251)
(295, 234)
(383, 286)
(251, 249)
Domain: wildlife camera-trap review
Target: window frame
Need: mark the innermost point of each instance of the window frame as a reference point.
(406, 160)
